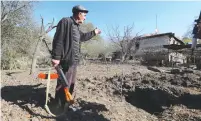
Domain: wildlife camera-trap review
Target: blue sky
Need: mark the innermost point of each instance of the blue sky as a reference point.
(172, 16)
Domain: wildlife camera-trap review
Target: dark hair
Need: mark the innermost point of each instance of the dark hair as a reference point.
(77, 12)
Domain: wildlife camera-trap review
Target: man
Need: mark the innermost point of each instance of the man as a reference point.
(195, 36)
(66, 47)
(196, 32)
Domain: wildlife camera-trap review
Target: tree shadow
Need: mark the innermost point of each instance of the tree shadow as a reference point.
(14, 72)
(24, 95)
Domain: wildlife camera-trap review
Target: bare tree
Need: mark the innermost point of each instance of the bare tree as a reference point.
(124, 42)
(43, 33)
(18, 31)
(10, 8)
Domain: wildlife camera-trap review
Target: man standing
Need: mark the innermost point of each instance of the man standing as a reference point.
(66, 47)
(196, 32)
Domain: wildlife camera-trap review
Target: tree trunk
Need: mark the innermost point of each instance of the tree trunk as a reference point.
(34, 60)
(123, 57)
(42, 36)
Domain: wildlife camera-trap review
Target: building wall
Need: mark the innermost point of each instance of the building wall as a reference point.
(154, 44)
(151, 49)
(177, 57)
(155, 41)
(173, 41)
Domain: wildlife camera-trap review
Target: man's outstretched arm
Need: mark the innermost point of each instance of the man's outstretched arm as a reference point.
(89, 35)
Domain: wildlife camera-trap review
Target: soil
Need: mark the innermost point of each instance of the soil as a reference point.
(113, 92)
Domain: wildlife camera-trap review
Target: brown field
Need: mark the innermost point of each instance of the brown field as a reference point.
(126, 92)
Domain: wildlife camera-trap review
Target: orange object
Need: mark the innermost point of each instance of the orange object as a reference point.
(68, 96)
(45, 76)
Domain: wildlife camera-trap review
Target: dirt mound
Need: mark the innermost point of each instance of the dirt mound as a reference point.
(158, 93)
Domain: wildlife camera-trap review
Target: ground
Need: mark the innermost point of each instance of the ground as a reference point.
(112, 92)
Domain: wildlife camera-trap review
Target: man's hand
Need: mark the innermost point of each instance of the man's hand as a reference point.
(55, 63)
(97, 31)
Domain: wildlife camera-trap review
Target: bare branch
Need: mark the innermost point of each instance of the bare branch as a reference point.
(3, 8)
(117, 43)
(42, 30)
(21, 7)
(126, 41)
(137, 34)
(50, 27)
(12, 9)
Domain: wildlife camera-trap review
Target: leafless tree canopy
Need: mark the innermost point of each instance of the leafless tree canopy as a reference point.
(124, 42)
(18, 33)
(10, 10)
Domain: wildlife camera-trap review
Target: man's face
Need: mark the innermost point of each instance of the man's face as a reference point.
(81, 17)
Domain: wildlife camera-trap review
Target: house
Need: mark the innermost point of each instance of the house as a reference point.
(150, 48)
(193, 56)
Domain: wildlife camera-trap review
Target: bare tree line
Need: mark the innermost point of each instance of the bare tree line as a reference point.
(18, 33)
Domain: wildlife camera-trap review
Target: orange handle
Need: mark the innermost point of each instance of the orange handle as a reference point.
(69, 97)
(45, 76)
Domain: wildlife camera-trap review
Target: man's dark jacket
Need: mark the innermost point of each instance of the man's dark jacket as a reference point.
(66, 42)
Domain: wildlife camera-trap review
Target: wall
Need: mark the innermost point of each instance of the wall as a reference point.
(154, 44)
(177, 57)
(173, 41)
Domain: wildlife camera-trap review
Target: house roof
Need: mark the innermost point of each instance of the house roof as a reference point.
(158, 35)
(170, 34)
(178, 47)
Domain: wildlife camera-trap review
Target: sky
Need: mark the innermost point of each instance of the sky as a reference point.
(172, 16)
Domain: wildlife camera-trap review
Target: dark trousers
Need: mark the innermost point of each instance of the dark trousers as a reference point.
(70, 73)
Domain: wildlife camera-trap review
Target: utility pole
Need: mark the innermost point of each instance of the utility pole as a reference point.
(156, 30)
